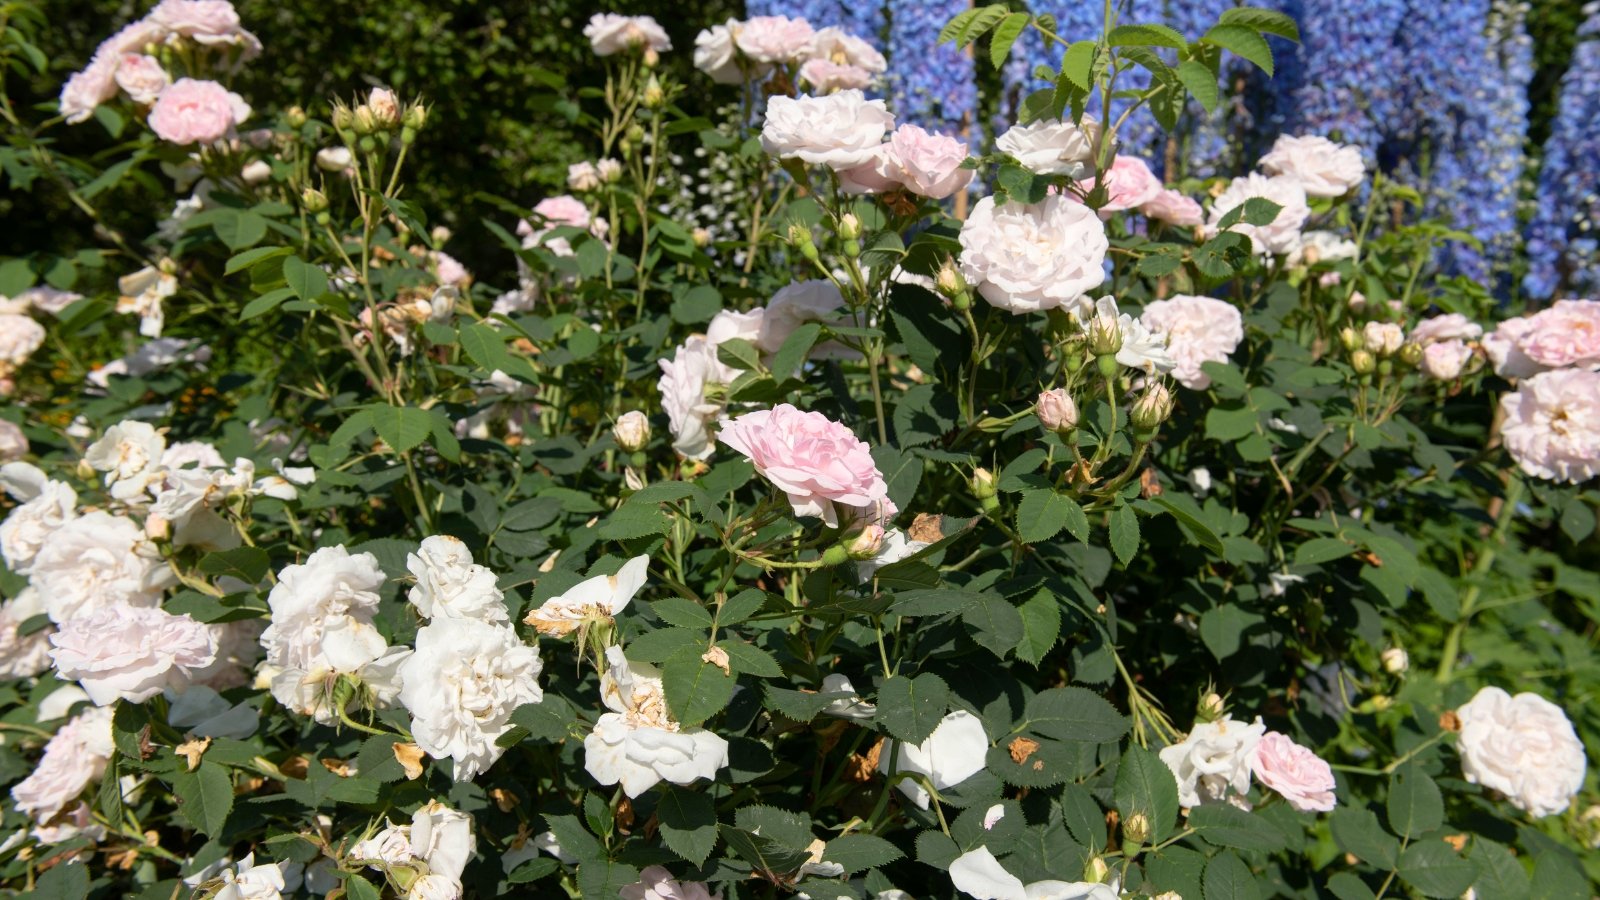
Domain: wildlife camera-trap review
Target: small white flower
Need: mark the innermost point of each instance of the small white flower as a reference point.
(596, 599)
(978, 874)
(130, 454)
(952, 754)
(1212, 758)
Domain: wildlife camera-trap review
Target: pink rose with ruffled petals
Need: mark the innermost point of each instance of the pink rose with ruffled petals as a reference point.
(73, 758)
(1552, 425)
(774, 39)
(826, 76)
(1174, 208)
(1448, 327)
(1444, 360)
(1304, 779)
(1567, 334)
(818, 462)
(204, 22)
(141, 77)
(929, 164)
(191, 111)
(86, 90)
(1129, 184)
(131, 653)
(564, 210)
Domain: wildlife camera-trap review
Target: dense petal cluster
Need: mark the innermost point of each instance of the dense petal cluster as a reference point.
(1027, 258)
(820, 464)
(1552, 425)
(1523, 746)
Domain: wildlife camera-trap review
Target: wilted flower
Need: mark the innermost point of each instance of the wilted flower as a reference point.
(595, 600)
(638, 743)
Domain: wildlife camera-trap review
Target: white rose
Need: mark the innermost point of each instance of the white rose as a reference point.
(1523, 747)
(1382, 338)
(73, 758)
(1445, 360)
(130, 455)
(1198, 330)
(610, 34)
(716, 54)
(252, 882)
(451, 585)
(774, 39)
(817, 300)
(1323, 168)
(392, 845)
(1053, 146)
(952, 754)
(19, 337)
(23, 656)
(839, 130)
(28, 527)
(462, 684)
(130, 653)
(442, 837)
(849, 706)
(1032, 257)
(322, 613)
(638, 744)
(593, 600)
(683, 383)
(1214, 757)
(98, 560)
(978, 874)
(1320, 247)
(1282, 234)
(838, 46)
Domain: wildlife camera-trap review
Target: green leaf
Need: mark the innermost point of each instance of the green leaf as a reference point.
(306, 280)
(1075, 714)
(1146, 36)
(1228, 878)
(688, 823)
(1228, 826)
(972, 26)
(264, 304)
(401, 427)
(740, 354)
(64, 881)
(605, 878)
(910, 708)
(533, 870)
(697, 304)
(248, 258)
(1357, 832)
(1415, 806)
(1254, 211)
(1436, 870)
(358, 888)
(573, 838)
(996, 624)
(1201, 82)
(1499, 873)
(696, 690)
(857, 852)
(486, 346)
(248, 564)
(763, 853)
(746, 658)
(1185, 511)
(796, 347)
(1145, 785)
(1125, 533)
(682, 612)
(1078, 63)
(1321, 550)
(1005, 35)
(1243, 42)
(238, 228)
(205, 797)
(1043, 513)
(1266, 20)
(1347, 886)
(1041, 627)
(1083, 817)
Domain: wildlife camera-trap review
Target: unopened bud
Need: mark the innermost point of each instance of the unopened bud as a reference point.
(635, 133)
(651, 58)
(1410, 353)
(632, 431)
(385, 108)
(1096, 870)
(983, 484)
(1396, 660)
(1363, 362)
(866, 543)
(1382, 338)
(609, 170)
(343, 118)
(1152, 408)
(849, 226)
(157, 528)
(949, 281)
(365, 122)
(1211, 707)
(1349, 339)
(1104, 335)
(1136, 828)
(654, 96)
(416, 116)
(315, 201)
(295, 116)
(1057, 412)
(800, 237)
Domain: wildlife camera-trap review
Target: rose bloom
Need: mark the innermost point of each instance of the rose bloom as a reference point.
(1566, 334)
(926, 164)
(19, 337)
(820, 464)
(1282, 234)
(638, 744)
(817, 300)
(1448, 327)
(1320, 247)
(774, 39)
(130, 455)
(335, 159)
(581, 177)
(841, 130)
(826, 76)
(611, 34)
(1198, 330)
(1032, 257)
(591, 601)
(205, 22)
(683, 383)
(131, 653)
(1052, 146)
(322, 612)
(656, 883)
(248, 881)
(73, 758)
(98, 560)
(46, 506)
(1129, 184)
(87, 89)
(191, 111)
(839, 46)
(1523, 747)
(1552, 425)
(1174, 208)
(1382, 338)
(954, 752)
(977, 873)
(23, 656)
(450, 585)
(1323, 168)
(462, 684)
(1444, 360)
(717, 55)
(1214, 757)
(1298, 774)
(141, 77)
(1056, 411)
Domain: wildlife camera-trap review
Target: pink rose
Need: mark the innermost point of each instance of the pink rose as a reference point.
(86, 90)
(1323, 168)
(131, 653)
(1198, 330)
(563, 210)
(1174, 208)
(205, 22)
(1129, 184)
(1566, 334)
(135, 37)
(1449, 327)
(1552, 425)
(76, 756)
(774, 39)
(819, 463)
(141, 77)
(1293, 771)
(878, 175)
(836, 44)
(1444, 360)
(929, 164)
(656, 883)
(826, 76)
(191, 111)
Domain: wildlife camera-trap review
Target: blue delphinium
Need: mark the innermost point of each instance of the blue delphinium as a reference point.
(1352, 71)
(820, 13)
(1560, 237)
(930, 84)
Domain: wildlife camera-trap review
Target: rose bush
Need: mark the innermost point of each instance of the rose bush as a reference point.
(957, 517)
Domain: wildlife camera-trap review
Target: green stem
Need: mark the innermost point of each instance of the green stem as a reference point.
(1469, 597)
